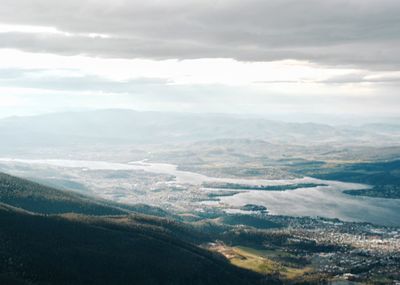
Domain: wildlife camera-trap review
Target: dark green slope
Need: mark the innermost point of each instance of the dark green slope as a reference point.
(38, 198)
(384, 176)
(93, 250)
(87, 241)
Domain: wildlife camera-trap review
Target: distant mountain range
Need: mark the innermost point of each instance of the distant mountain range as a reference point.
(132, 127)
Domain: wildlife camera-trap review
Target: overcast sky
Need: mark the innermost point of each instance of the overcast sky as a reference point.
(255, 57)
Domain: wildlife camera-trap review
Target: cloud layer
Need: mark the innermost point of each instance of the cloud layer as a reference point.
(361, 33)
(229, 56)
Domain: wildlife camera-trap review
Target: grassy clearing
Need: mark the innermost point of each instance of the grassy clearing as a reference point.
(256, 260)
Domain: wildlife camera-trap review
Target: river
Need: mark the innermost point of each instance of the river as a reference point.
(326, 201)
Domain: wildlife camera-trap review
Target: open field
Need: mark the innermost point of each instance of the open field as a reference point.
(258, 261)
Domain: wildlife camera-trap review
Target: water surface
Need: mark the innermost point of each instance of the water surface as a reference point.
(326, 201)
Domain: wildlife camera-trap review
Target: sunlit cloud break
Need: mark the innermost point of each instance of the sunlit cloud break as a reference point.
(208, 56)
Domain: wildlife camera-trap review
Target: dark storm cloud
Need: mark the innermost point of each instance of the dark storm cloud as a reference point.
(361, 33)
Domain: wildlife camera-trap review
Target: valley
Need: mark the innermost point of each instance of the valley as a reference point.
(163, 185)
(200, 142)
(277, 249)
(290, 212)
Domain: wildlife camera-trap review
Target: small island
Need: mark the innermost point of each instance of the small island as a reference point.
(254, 208)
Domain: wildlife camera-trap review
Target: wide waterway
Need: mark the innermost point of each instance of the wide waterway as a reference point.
(327, 201)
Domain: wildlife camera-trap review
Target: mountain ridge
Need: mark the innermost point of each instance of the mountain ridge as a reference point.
(116, 127)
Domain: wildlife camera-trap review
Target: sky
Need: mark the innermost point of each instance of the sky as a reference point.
(337, 57)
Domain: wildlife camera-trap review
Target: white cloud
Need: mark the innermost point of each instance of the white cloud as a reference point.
(8, 28)
(42, 82)
(46, 30)
(10, 100)
(193, 71)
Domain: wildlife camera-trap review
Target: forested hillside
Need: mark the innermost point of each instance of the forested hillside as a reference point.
(124, 248)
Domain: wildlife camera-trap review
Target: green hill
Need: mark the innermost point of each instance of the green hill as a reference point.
(79, 247)
(90, 250)
(384, 176)
(38, 198)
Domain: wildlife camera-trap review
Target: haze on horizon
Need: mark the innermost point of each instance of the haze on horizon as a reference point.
(279, 57)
